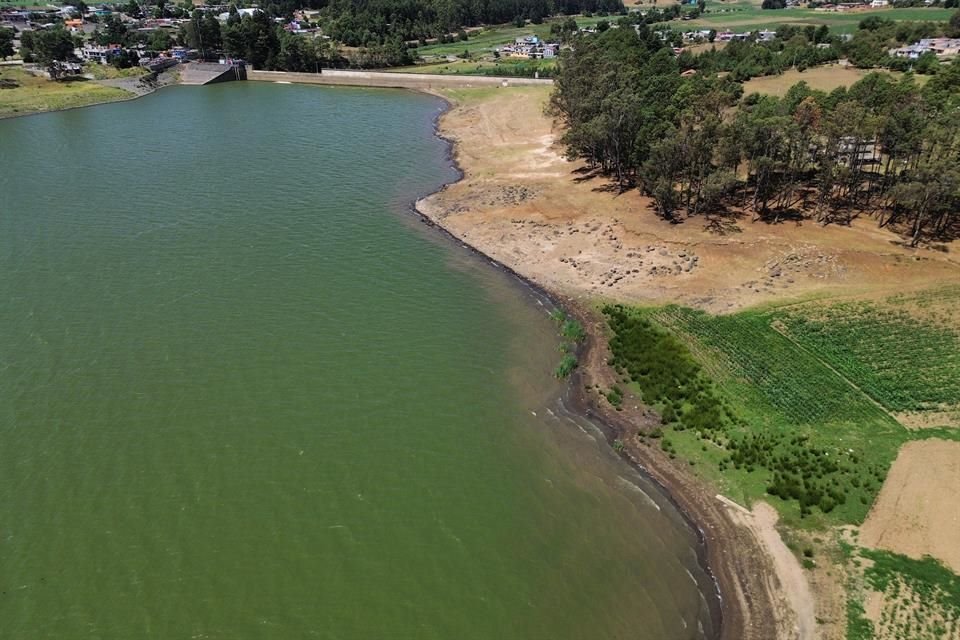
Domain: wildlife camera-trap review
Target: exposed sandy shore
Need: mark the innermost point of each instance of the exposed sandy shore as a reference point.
(523, 204)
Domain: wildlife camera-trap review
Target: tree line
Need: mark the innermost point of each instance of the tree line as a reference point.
(370, 23)
(697, 146)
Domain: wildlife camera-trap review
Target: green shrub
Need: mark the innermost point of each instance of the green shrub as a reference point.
(566, 366)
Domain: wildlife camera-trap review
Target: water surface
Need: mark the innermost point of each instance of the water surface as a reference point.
(244, 394)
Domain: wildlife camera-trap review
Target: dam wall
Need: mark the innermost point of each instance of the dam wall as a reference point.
(393, 80)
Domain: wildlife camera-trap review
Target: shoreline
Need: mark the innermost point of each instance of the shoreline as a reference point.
(738, 610)
(740, 604)
(134, 95)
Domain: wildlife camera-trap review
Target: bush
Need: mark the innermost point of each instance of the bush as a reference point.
(566, 366)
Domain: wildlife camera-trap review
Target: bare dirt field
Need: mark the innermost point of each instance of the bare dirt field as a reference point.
(825, 78)
(918, 510)
(524, 204)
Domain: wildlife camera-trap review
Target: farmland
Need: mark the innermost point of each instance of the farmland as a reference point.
(903, 362)
(893, 596)
(743, 15)
(791, 405)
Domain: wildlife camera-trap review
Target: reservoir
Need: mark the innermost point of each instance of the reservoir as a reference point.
(245, 393)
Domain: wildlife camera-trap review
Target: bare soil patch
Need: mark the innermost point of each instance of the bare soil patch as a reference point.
(901, 612)
(918, 510)
(524, 204)
(762, 523)
(825, 78)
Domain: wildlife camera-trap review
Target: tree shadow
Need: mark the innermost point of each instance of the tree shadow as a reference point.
(612, 187)
(722, 220)
(584, 174)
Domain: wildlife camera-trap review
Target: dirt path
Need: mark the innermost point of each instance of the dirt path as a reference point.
(793, 585)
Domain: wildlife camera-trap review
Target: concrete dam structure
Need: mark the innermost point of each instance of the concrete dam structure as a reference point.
(199, 73)
(422, 81)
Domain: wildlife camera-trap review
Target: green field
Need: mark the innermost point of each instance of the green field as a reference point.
(749, 16)
(749, 401)
(909, 586)
(40, 94)
(505, 67)
(490, 38)
(903, 362)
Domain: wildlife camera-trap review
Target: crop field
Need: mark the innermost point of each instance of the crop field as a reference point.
(903, 362)
(743, 15)
(899, 597)
(751, 400)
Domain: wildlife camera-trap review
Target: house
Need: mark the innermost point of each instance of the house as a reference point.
(243, 12)
(876, 4)
(98, 54)
(943, 48)
(530, 47)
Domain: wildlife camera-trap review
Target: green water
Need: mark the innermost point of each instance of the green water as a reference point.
(245, 394)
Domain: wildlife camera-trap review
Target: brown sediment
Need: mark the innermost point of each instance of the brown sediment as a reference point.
(918, 510)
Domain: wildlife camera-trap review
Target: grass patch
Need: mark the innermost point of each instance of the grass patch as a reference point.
(767, 419)
(573, 333)
(614, 396)
(567, 364)
(749, 16)
(503, 67)
(920, 598)
(110, 72)
(858, 626)
(41, 94)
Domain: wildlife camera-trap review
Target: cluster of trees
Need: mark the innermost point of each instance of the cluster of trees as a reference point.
(801, 471)
(6, 43)
(773, 4)
(883, 147)
(48, 47)
(793, 47)
(377, 22)
(876, 35)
